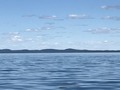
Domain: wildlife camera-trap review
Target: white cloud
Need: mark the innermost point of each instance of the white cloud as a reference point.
(104, 30)
(81, 16)
(96, 42)
(52, 17)
(105, 41)
(13, 37)
(73, 16)
(32, 30)
(110, 7)
(16, 38)
(12, 33)
(47, 28)
(48, 17)
(52, 27)
(116, 18)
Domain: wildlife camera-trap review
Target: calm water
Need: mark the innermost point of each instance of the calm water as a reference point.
(92, 71)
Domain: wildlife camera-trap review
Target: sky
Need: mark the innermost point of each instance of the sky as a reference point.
(60, 24)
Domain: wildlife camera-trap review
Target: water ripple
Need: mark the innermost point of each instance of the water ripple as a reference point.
(60, 71)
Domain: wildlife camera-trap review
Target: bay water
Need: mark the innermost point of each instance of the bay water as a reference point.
(60, 71)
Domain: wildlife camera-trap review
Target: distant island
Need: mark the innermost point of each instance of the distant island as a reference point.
(55, 51)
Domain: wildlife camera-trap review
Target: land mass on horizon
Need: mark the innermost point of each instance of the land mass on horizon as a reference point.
(69, 50)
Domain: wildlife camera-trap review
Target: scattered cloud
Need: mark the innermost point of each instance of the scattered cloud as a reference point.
(40, 29)
(47, 28)
(48, 17)
(32, 30)
(77, 16)
(107, 7)
(13, 33)
(95, 42)
(116, 18)
(54, 17)
(52, 27)
(13, 37)
(16, 38)
(51, 17)
(104, 30)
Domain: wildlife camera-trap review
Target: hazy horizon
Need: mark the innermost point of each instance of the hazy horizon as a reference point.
(60, 24)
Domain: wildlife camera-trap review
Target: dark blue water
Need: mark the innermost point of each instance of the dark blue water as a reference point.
(92, 71)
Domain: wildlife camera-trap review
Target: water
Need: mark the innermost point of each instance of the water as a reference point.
(78, 71)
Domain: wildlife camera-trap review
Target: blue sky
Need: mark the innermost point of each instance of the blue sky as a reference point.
(60, 24)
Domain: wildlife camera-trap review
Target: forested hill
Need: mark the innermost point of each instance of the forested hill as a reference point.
(54, 51)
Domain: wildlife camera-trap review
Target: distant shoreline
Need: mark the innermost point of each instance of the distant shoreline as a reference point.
(58, 51)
